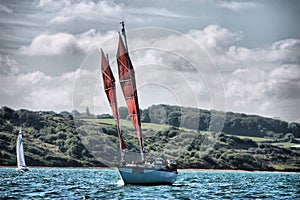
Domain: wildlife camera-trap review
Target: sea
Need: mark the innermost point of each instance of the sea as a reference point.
(85, 183)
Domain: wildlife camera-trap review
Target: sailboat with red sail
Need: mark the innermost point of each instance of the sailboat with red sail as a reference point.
(142, 172)
(110, 90)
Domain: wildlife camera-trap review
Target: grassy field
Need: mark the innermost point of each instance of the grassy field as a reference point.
(285, 166)
(157, 127)
(284, 144)
(261, 140)
(256, 139)
(145, 126)
(128, 124)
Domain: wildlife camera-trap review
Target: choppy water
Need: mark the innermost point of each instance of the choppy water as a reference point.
(60, 183)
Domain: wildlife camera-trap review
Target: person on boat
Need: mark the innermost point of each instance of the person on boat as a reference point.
(123, 163)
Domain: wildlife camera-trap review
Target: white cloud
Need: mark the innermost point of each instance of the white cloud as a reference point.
(215, 38)
(286, 51)
(224, 48)
(33, 90)
(37, 90)
(156, 12)
(285, 82)
(286, 72)
(236, 5)
(100, 11)
(53, 5)
(283, 52)
(258, 80)
(45, 44)
(4, 8)
(86, 10)
(268, 93)
(64, 43)
(243, 86)
(8, 65)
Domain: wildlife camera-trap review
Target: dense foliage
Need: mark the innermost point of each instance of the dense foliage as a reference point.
(50, 139)
(176, 133)
(204, 120)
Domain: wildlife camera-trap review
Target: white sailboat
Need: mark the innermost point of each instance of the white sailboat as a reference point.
(143, 172)
(20, 153)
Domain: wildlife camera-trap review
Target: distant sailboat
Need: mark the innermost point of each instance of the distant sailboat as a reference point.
(143, 172)
(20, 153)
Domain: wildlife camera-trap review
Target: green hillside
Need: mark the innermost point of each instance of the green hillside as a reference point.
(51, 139)
(231, 123)
(201, 149)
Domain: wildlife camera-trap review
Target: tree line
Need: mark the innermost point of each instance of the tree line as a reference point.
(204, 120)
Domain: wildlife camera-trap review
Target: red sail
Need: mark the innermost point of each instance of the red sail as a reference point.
(110, 90)
(127, 80)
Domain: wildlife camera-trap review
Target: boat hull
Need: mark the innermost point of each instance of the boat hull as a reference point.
(147, 176)
(22, 168)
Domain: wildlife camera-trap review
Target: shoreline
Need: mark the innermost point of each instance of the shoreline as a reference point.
(239, 170)
(69, 167)
(181, 169)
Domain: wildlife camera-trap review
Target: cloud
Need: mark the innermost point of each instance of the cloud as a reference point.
(64, 43)
(87, 10)
(223, 47)
(5, 9)
(37, 90)
(286, 72)
(32, 91)
(8, 65)
(221, 44)
(100, 11)
(244, 86)
(286, 51)
(256, 80)
(272, 93)
(162, 12)
(52, 5)
(285, 82)
(283, 52)
(236, 5)
(215, 38)
(45, 44)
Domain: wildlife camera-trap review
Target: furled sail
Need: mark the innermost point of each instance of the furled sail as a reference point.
(110, 90)
(20, 150)
(128, 85)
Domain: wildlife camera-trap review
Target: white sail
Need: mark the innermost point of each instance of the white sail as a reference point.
(20, 151)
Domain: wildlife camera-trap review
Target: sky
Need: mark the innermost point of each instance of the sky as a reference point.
(238, 56)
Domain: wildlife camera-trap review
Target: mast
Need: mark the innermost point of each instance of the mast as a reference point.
(110, 90)
(128, 85)
(124, 35)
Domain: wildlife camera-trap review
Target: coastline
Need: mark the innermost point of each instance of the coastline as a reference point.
(181, 169)
(239, 170)
(69, 167)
